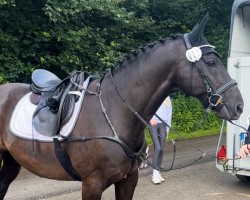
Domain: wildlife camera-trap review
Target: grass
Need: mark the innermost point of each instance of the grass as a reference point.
(180, 136)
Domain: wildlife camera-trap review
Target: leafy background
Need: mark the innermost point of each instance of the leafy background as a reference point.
(92, 35)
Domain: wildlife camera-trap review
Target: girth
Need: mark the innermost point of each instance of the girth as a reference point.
(64, 159)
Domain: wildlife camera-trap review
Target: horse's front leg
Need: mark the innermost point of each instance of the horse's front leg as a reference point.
(92, 189)
(124, 189)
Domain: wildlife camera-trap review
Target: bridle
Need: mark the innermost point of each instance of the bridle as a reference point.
(214, 99)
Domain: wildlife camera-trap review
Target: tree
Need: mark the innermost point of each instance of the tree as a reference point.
(93, 35)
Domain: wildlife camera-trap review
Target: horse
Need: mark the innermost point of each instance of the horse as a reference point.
(115, 111)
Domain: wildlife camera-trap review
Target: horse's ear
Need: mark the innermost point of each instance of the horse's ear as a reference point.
(198, 30)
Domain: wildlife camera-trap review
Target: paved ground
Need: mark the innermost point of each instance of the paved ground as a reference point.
(202, 181)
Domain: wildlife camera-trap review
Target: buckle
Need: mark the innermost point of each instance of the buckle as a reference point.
(215, 100)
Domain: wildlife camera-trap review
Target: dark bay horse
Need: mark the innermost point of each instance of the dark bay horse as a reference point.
(130, 92)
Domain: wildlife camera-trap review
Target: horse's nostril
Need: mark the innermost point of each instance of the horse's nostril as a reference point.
(239, 109)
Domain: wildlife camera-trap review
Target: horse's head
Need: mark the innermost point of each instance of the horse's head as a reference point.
(207, 78)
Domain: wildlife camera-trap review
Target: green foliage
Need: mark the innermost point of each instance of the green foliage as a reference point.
(93, 35)
(182, 136)
(62, 36)
(187, 112)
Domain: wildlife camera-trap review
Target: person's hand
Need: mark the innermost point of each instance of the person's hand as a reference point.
(244, 151)
(153, 122)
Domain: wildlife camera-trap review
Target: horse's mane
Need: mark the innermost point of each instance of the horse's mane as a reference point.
(136, 52)
(142, 49)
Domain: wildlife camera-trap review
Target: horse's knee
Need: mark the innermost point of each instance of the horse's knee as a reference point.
(125, 188)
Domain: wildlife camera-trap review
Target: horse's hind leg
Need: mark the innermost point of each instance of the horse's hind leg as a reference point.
(9, 170)
(125, 188)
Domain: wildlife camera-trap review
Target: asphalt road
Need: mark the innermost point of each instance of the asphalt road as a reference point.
(200, 181)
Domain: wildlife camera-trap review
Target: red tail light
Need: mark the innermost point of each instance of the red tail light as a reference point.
(222, 154)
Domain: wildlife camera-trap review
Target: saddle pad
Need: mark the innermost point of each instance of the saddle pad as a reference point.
(21, 119)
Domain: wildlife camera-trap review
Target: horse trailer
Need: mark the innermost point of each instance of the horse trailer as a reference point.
(238, 66)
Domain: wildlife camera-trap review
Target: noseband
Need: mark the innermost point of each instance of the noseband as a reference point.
(214, 98)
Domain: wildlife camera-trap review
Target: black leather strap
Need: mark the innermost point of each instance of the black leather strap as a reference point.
(224, 87)
(127, 150)
(64, 159)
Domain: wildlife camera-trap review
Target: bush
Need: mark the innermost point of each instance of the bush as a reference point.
(187, 112)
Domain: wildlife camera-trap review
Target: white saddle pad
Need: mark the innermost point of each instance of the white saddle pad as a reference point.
(21, 119)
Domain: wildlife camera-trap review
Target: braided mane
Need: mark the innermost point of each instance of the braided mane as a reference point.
(142, 49)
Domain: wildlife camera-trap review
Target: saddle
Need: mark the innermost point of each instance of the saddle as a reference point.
(55, 99)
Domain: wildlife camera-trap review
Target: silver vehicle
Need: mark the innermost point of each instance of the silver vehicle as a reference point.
(239, 69)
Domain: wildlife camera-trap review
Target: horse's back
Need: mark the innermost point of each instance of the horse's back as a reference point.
(10, 94)
(12, 91)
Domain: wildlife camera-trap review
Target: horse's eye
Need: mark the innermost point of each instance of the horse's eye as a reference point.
(211, 63)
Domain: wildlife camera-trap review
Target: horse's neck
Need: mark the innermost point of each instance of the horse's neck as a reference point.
(144, 81)
(150, 78)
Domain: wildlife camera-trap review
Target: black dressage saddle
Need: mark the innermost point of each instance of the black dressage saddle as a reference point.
(56, 101)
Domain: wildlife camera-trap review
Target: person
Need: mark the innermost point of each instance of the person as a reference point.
(244, 151)
(158, 132)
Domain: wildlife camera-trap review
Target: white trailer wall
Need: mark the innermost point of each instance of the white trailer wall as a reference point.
(239, 69)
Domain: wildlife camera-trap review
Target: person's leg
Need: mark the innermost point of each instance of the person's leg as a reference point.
(154, 133)
(156, 142)
(162, 141)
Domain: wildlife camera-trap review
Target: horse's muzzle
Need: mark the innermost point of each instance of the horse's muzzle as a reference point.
(239, 110)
